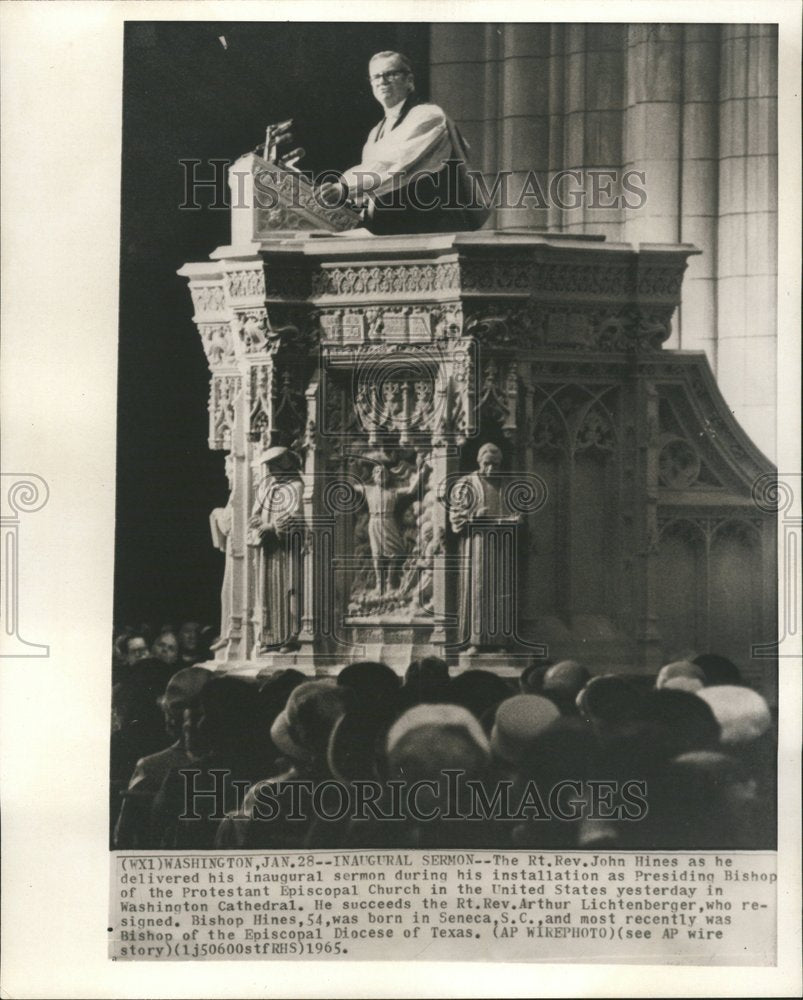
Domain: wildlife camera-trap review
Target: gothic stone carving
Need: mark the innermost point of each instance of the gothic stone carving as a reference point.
(269, 330)
(371, 324)
(246, 283)
(252, 329)
(396, 279)
(223, 393)
(208, 299)
(286, 200)
(217, 344)
(530, 325)
(396, 530)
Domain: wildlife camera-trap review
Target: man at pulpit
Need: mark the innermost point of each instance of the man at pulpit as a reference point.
(411, 178)
(479, 511)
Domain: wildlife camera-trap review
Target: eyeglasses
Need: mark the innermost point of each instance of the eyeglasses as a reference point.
(392, 74)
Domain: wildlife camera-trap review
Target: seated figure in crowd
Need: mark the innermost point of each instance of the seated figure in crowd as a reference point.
(133, 829)
(165, 647)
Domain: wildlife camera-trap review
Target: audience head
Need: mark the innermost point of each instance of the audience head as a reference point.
(183, 692)
(430, 670)
(227, 720)
(564, 749)
(684, 721)
(135, 646)
(371, 686)
(430, 739)
(426, 682)
(355, 748)
(610, 703)
(718, 670)
(743, 715)
(119, 655)
(518, 723)
(478, 690)
(301, 731)
(682, 675)
(563, 682)
(189, 640)
(135, 704)
(531, 679)
(165, 648)
(129, 705)
(276, 686)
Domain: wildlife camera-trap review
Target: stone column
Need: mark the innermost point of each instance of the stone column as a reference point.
(524, 120)
(699, 187)
(647, 435)
(654, 59)
(593, 103)
(465, 80)
(747, 230)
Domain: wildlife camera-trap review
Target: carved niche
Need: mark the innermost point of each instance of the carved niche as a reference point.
(223, 393)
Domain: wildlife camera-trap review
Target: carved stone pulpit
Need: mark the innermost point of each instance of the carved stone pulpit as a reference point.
(629, 534)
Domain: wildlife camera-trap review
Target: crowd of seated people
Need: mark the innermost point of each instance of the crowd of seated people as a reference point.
(174, 645)
(553, 758)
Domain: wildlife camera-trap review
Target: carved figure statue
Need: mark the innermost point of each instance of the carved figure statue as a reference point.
(477, 511)
(388, 548)
(276, 530)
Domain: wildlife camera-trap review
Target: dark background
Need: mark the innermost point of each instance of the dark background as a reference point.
(185, 97)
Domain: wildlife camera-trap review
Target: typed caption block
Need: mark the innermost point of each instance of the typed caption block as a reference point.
(667, 908)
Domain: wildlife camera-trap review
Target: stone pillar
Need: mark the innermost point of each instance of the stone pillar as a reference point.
(594, 102)
(465, 80)
(654, 60)
(524, 120)
(747, 226)
(648, 438)
(699, 187)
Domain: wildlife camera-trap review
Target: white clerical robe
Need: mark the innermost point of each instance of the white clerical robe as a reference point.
(419, 143)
